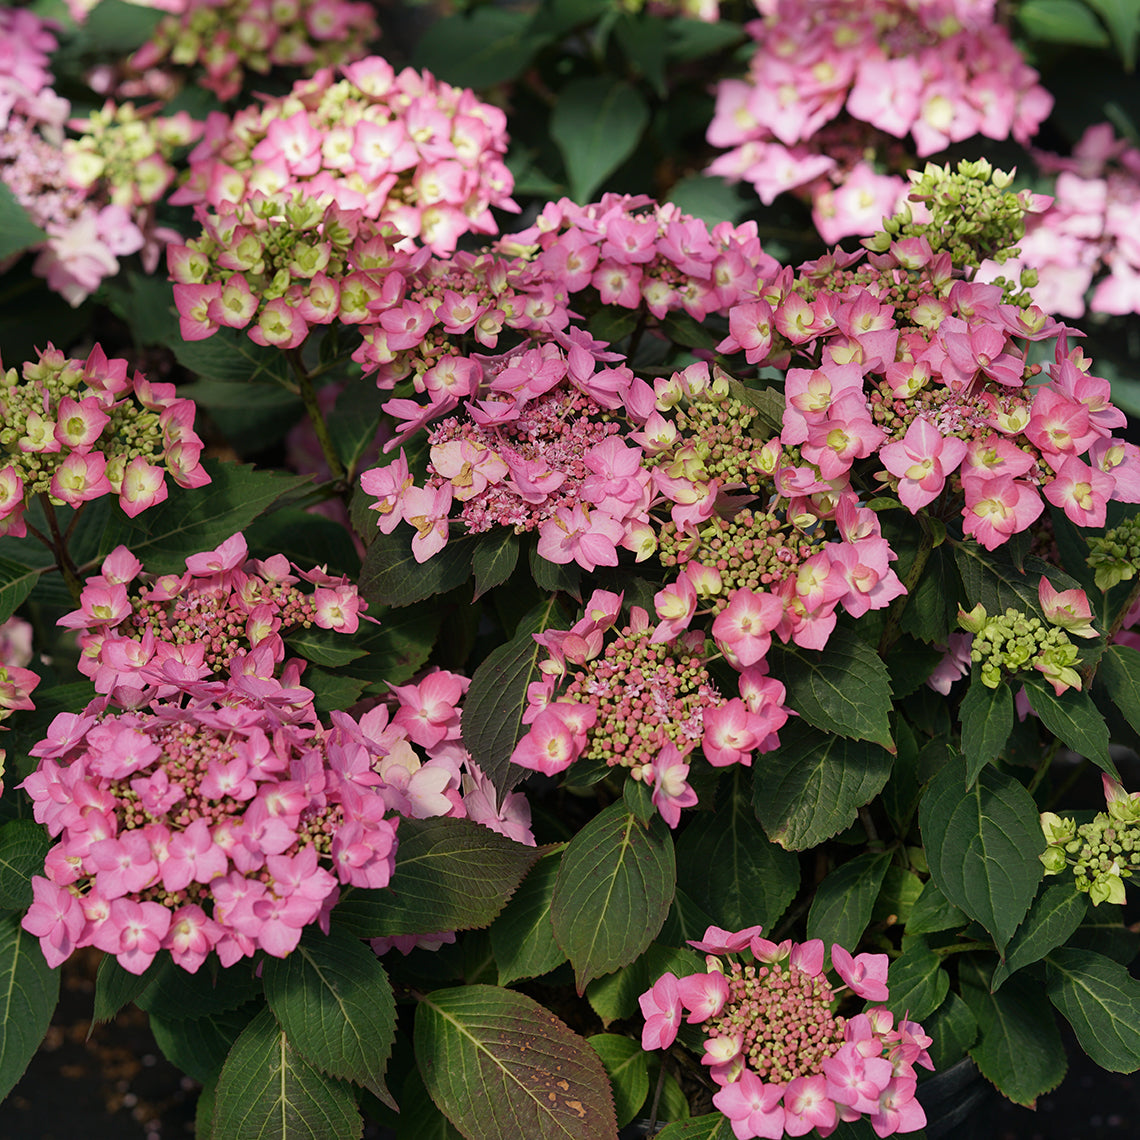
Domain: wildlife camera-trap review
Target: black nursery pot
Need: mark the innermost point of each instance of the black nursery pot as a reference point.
(958, 1102)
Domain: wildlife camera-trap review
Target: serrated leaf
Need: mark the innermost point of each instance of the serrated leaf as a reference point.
(305, 538)
(933, 912)
(398, 648)
(1054, 915)
(597, 123)
(812, 786)
(918, 983)
(992, 578)
(177, 995)
(355, 420)
(614, 888)
(16, 582)
(987, 720)
(197, 519)
(982, 844)
(553, 577)
(116, 987)
(502, 1067)
(419, 1118)
(614, 996)
(627, 1067)
(332, 690)
(231, 358)
(522, 937)
(17, 230)
(725, 860)
(711, 1126)
(451, 874)
(1061, 21)
(391, 576)
(496, 700)
(23, 845)
(495, 560)
(952, 1029)
(333, 999)
(1119, 672)
(1019, 1048)
(29, 990)
(266, 1089)
(1074, 720)
(1100, 999)
(323, 646)
(931, 605)
(611, 324)
(199, 1047)
(844, 900)
(844, 689)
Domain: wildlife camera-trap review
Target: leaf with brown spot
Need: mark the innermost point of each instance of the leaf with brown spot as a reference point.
(501, 1067)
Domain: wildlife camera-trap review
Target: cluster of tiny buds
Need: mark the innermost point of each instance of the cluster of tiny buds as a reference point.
(1014, 642)
(1115, 556)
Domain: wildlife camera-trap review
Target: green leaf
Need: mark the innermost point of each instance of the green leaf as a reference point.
(918, 983)
(813, 785)
(324, 647)
(305, 538)
(332, 690)
(844, 900)
(479, 48)
(419, 1118)
(952, 1029)
(502, 1067)
(1054, 915)
(1122, 18)
(1061, 21)
(495, 560)
(23, 845)
(1019, 1048)
(987, 720)
(29, 990)
(711, 1126)
(200, 1047)
(844, 689)
(551, 577)
(627, 1066)
(1074, 720)
(909, 664)
(992, 578)
(614, 888)
(116, 987)
(266, 1089)
(451, 874)
(355, 420)
(397, 649)
(16, 582)
(177, 995)
(712, 200)
(645, 41)
(1101, 1001)
(496, 701)
(614, 996)
(683, 329)
(194, 520)
(692, 39)
(1119, 672)
(725, 860)
(392, 577)
(611, 324)
(251, 414)
(933, 912)
(522, 937)
(597, 123)
(333, 999)
(932, 605)
(982, 844)
(17, 230)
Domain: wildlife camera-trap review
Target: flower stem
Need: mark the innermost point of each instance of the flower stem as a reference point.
(58, 546)
(312, 406)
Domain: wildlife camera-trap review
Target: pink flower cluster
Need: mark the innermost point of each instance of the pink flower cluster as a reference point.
(784, 1060)
(404, 148)
(830, 82)
(229, 38)
(926, 375)
(203, 826)
(1089, 228)
(140, 640)
(79, 429)
(642, 698)
(16, 682)
(86, 237)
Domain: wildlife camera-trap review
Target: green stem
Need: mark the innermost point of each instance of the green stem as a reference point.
(1043, 767)
(58, 546)
(313, 407)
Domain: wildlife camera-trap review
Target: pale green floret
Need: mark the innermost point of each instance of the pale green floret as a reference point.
(1015, 643)
(1115, 556)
